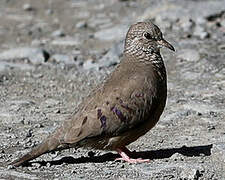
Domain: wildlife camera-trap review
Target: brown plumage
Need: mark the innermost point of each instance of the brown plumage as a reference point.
(122, 109)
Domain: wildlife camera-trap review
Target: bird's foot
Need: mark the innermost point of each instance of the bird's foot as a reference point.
(126, 158)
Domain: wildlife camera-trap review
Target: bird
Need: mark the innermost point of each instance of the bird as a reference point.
(124, 107)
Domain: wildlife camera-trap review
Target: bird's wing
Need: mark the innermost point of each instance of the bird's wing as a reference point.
(117, 106)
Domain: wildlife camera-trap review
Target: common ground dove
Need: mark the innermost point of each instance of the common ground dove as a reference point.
(126, 106)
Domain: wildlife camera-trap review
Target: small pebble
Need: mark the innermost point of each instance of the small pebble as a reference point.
(91, 154)
(27, 7)
(10, 167)
(58, 33)
(81, 24)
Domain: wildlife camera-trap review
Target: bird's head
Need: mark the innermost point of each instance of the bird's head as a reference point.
(145, 37)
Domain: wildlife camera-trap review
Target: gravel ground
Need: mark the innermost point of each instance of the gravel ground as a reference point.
(52, 53)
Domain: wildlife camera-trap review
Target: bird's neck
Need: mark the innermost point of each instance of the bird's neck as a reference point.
(152, 58)
(147, 60)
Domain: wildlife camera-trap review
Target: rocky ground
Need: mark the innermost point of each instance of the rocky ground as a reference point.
(53, 52)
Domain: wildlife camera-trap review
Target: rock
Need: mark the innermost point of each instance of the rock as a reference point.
(186, 24)
(3, 77)
(200, 21)
(91, 154)
(211, 127)
(81, 24)
(189, 55)
(177, 156)
(29, 133)
(38, 125)
(27, 7)
(190, 173)
(78, 58)
(10, 167)
(58, 33)
(54, 154)
(34, 55)
(200, 32)
(48, 165)
(37, 75)
(112, 33)
(221, 47)
(90, 65)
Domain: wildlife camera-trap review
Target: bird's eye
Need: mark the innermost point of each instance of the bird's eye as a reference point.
(147, 36)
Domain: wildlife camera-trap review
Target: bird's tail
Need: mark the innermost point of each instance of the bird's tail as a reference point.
(50, 144)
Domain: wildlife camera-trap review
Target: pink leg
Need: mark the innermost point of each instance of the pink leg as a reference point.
(123, 153)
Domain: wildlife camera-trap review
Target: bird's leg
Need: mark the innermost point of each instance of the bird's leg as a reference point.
(124, 153)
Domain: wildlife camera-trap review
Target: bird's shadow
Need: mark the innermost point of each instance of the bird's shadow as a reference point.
(154, 154)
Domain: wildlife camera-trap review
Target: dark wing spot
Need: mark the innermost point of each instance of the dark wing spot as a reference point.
(79, 133)
(119, 114)
(85, 120)
(102, 118)
(107, 102)
(99, 113)
(103, 121)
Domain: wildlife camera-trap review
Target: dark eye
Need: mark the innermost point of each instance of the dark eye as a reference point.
(147, 36)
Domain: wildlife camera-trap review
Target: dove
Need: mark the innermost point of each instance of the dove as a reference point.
(124, 107)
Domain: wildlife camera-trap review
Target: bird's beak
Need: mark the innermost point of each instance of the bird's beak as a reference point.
(166, 44)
